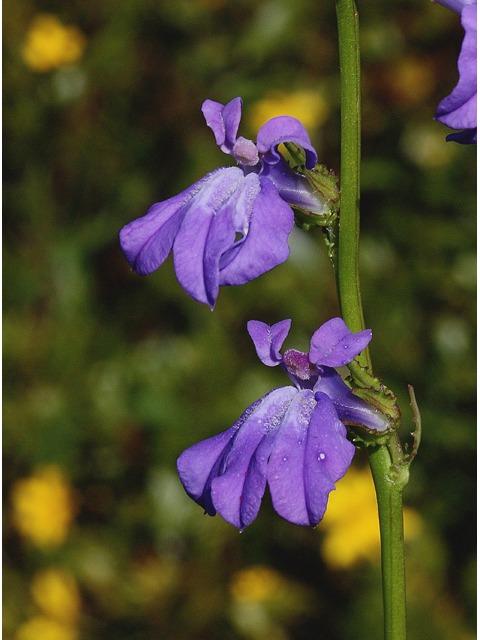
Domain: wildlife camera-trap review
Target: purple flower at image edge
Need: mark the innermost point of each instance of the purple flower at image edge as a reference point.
(294, 437)
(232, 225)
(459, 109)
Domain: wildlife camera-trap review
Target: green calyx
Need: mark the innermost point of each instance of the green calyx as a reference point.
(367, 437)
(384, 401)
(371, 389)
(324, 182)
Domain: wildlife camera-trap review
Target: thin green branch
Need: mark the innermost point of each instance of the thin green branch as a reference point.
(387, 462)
(349, 221)
(390, 513)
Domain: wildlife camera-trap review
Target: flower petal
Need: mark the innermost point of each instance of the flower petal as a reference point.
(199, 463)
(268, 340)
(220, 238)
(468, 136)
(147, 241)
(284, 129)
(294, 188)
(328, 456)
(223, 121)
(311, 452)
(455, 5)
(350, 408)
(192, 237)
(265, 245)
(459, 109)
(287, 461)
(334, 345)
(238, 488)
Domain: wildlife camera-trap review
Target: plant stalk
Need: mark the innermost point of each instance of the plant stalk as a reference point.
(390, 513)
(348, 283)
(388, 473)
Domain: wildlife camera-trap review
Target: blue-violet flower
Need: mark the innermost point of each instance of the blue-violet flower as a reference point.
(232, 225)
(459, 109)
(293, 438)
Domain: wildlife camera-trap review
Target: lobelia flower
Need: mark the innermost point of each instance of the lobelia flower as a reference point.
(459, 109)
(293, 438)
(232, 225)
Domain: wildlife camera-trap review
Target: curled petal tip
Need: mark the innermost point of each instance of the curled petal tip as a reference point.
(284, 129)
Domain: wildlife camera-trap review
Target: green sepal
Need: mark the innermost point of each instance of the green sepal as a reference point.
(324, 182)
(368, 437)
(417, 432)
(384, 401)
(297, 156)
(372, 390)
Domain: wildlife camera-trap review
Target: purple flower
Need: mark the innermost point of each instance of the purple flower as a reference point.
(459, 109)
(232, 225)
(293, 438)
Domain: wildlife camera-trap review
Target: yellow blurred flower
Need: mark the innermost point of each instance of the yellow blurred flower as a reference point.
(44, 628)
(351, 521)
(49, 44)
(261, 599)
(55, 592)
(310, 107)
(256, 584)
(43, 507)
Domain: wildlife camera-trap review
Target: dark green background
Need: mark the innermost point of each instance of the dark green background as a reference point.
(110, 375)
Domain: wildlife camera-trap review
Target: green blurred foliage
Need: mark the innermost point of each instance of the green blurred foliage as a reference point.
(110, 376)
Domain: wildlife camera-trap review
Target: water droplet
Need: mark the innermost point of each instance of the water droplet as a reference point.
(321, 456)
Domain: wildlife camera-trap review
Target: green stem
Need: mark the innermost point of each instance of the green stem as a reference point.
(349, 221)
(389, 474)
(390, 513)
